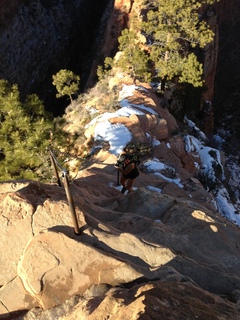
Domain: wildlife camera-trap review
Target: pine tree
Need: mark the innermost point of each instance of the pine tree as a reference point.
(133, 60)
(66, 83)
(24, 134)
(174, 29)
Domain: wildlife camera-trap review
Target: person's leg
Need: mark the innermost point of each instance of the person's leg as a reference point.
(123, 183)
(130, 184)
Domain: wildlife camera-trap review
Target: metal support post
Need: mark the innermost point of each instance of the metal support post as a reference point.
(70, 203)
(55, 168)
(118, 184)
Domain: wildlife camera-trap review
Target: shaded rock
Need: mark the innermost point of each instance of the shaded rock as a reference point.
(178, 242)
(123, 238)
(235, 297)
(189, 163)
(33, 35)
(177, 145)
(165, 299)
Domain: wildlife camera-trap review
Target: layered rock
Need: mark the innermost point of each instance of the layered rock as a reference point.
(143, 236)
(160, 299)
(157, 122)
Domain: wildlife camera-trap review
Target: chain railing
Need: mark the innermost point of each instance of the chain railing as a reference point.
(57, 167)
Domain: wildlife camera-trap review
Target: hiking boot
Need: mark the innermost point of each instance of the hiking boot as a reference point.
(123, 190)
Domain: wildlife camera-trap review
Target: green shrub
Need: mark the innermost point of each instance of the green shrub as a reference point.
(26, 130)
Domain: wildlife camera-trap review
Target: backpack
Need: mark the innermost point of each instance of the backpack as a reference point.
(134, 158)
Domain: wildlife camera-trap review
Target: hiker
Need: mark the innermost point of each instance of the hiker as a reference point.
(128, 168)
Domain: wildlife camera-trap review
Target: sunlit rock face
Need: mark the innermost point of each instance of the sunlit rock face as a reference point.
(159, 241)
(163, 239)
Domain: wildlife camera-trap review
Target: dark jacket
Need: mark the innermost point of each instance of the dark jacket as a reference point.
(132, 174)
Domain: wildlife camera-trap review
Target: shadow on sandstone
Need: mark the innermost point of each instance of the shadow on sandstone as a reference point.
(202, 243)
(211, 262)
(155, 234)
(16, 315)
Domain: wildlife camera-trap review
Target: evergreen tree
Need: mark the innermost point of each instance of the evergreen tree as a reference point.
(174, 29)
(133, 60)
(165, 39)
(66, 83)
(24, 134)
(103, 70)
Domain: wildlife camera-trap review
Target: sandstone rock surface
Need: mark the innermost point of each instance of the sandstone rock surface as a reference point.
(161, 250)
(160, 241)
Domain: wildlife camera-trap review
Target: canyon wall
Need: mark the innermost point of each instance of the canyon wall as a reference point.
(226, 83)
(38, 38)
(221, 65)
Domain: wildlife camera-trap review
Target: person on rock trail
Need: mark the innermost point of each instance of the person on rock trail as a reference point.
(127, 166)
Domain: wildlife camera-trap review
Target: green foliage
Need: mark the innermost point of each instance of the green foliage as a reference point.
(24, 134)
(102, 72)
(66, 83)
(191, 71)
(133, 60)
(163, 43)
(174, 29)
